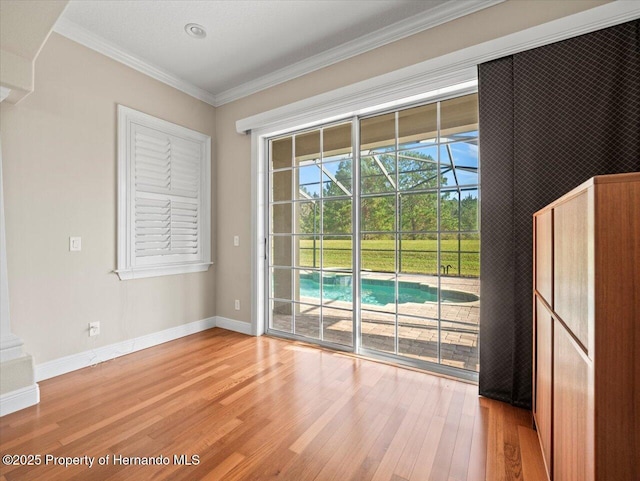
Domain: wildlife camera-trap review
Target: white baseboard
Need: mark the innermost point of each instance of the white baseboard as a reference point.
(73, 362)
(233, 325)
(19, 399)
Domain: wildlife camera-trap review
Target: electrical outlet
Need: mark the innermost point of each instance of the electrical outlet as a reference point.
(237, 303)
(94, 329)
(236, 240)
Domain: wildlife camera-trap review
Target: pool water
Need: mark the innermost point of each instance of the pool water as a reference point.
(379, 293)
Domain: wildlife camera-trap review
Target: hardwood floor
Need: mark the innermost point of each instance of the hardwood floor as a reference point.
(263, 408)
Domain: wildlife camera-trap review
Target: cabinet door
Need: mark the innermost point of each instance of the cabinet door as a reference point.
(544, 347)
(572, 415)
(571, 265)
(544, 248)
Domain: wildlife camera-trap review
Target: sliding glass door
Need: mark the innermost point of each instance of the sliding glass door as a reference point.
(419, 237)
(311, 241)
(376, 248)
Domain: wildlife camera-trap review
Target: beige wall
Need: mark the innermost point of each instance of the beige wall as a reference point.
(233, 150)
(59, 158)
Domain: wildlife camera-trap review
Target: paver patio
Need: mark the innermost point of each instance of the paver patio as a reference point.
(417, 337)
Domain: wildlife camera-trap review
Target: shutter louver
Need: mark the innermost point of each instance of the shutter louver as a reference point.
(167, 196)
(153, 227)
(184, 228)
(185, 170)
(153, 164)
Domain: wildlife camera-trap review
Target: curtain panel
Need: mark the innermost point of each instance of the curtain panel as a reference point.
(550, 118)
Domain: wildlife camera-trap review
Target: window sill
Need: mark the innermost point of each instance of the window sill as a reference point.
(142, 272)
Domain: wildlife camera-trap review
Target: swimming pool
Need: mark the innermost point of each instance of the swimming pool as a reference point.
(378, 292)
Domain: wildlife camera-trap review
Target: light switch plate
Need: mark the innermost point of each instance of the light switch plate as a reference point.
(75, 244)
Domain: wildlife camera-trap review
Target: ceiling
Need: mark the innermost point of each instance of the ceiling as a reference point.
(250, 44)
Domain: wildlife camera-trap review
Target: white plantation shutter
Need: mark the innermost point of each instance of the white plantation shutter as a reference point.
(167, 194)
(167, 172)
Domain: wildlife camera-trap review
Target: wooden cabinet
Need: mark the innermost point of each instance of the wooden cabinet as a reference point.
(587, 331)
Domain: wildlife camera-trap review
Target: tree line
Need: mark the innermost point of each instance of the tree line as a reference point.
(418, 210)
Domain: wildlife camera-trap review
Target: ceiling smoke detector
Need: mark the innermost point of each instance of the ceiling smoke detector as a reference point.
(195, 30)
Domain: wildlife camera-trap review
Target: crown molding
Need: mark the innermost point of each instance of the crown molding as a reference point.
(433, 74)
(84, 37)
(404, 28)
(436, 16)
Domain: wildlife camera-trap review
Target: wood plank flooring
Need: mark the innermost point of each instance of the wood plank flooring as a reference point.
(264, 408)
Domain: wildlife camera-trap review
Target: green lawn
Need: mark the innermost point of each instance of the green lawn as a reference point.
(417, 256)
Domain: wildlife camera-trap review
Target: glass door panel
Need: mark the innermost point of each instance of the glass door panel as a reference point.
(419, 243)
(311, 235)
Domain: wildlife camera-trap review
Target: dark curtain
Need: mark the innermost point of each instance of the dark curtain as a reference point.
(550, 118)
